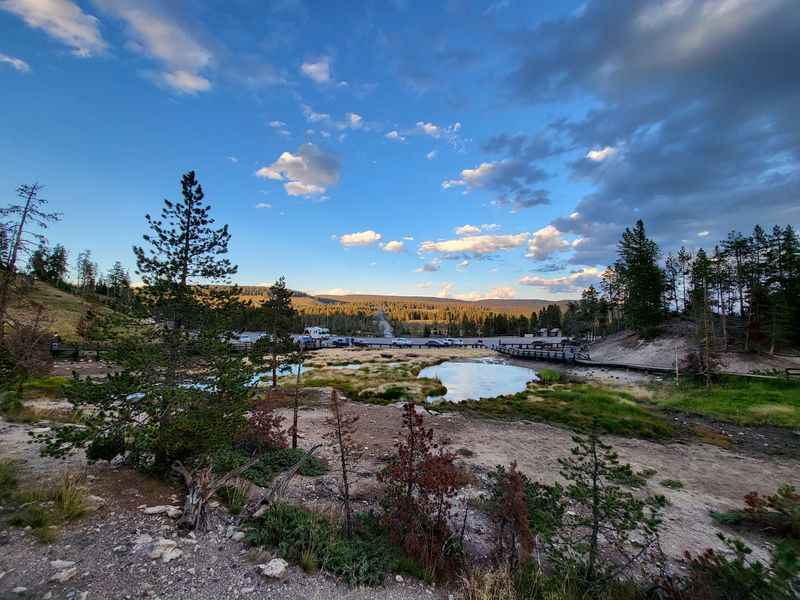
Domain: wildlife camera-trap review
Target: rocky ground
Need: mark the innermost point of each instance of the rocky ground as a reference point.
(120, 551)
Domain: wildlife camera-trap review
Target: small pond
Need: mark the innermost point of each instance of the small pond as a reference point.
(479, 379)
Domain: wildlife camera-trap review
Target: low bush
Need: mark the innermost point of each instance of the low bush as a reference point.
(717, 576)
(8, 478)
(672, 484)
(273, 462)
(777, 515)
(548, 376)
(315, 541)
(235, 495)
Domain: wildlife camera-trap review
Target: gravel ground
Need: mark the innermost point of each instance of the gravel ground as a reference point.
(111, 547)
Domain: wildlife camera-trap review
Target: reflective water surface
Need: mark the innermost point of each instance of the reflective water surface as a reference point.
(479, 379)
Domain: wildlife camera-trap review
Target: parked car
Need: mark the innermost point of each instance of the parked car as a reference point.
(360, 343)
(400, 342)
(435, 343)
(340, 342)
(454, 342)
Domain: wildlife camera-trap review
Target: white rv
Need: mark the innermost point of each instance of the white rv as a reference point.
(317, 332)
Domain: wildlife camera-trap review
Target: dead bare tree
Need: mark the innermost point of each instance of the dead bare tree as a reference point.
(29, 212)
(341, 428)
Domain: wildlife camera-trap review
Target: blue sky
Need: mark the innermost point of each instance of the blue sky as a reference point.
(466, 149)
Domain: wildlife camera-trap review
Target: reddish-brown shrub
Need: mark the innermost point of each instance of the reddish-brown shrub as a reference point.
(264, 429)
(420, 484)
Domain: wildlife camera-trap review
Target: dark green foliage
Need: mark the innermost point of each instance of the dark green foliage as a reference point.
(299, 535)
(716, 576)
(777, 515)
(279, 319)
(672, 484)
(180, 391)
(641, 279)
(595, 538)
(274, 461)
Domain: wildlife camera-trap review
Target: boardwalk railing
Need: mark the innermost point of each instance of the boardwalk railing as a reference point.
(567, 354)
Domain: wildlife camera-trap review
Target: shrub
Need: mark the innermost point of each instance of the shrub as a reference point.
(313, 540)
(714, 576)
(548, 376)
(272, 463)
(70, 497)
(264, 429)
(672, 484)
(8, 478)
(777, 515)
(420, 484)
(508, 508)
(235, 495)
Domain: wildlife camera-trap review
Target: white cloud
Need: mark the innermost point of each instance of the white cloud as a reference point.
(263, 205)
(446, 291)
(408, 238)
(318, 71)
(315, 117)
(430, 267)
(498, 293)
(429, 129)
(394, 246)
(16, 63)
(475, 229)
(336, 292)
(703, 233)
(601, 154)
(233, 159)
(279, 127)
(395, 136)
(63, 20)
(431, 155)
(476, 244)
(360, 238)
(467, 230)
(462, 266)
(545, 242)
(354, 120)
(159, 37)
(308, 173)
(572, 283)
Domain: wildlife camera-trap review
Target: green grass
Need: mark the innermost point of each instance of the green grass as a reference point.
(315, 541)
(672, 484)
(548, 376)
(738, 400)
(577, 406)
(44, 508)
(274, 462)
(49, 387)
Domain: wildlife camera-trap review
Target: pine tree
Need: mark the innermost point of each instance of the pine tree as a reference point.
(341, 428)
(280, 318)
(180, 390)
(642, 280)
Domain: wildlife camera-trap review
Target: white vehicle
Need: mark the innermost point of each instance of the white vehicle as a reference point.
(317, 332)
(400, 342)
(454, 342)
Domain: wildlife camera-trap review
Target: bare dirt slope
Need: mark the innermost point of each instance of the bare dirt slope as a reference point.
(628, 348)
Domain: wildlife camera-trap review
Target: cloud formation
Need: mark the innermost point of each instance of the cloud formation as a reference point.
(162, 38)
(545, 242)
(475, 245)
(62, 20)
(511, 179)
(317, 70)
(575, 282)
(394, 246)
(360, 238)
(16, 63)
(309, 172)
(693, 125)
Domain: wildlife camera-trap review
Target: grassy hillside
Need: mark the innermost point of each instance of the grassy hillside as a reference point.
(63, 310)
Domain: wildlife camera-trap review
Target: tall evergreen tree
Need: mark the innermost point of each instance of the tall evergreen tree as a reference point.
(280, 318)
(180, 391)
(642, 280)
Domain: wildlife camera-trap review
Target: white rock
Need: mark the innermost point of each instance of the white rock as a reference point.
(398, 578)
(142, 540)
(20, 590)
(173, 512)
(274, 569)
(166, 550)
(156, 510)
(41, 430)
(65, 575)
(238, 536)
(62, 564)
